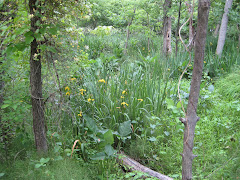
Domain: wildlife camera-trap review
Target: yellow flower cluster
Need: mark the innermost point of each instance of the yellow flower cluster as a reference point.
(89, 99)
(82, 91)
(80, 114)
(124, 103)
(67, 89)
(124, 92)
(102, 80)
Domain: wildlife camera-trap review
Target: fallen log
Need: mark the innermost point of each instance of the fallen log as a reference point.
(133, 165)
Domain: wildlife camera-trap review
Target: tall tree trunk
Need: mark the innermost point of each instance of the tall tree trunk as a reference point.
(128, 32)
(223, 28)
(167, 29)
(191, 118)
(36, 82)
(178, 24)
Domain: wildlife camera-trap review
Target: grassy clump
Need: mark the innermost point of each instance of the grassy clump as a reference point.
(229, 86)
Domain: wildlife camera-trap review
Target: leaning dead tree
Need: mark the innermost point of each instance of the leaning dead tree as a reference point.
(133, 165)
(191, 117)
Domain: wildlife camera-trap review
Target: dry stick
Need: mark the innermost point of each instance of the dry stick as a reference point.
(179, 82)
(59, 86)
(128, 31)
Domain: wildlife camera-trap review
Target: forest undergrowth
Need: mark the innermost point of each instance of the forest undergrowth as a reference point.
(110, 101)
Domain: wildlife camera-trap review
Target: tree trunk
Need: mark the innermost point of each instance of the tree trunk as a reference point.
(167, 29)
(36, 82)
(178, 24)
(128, 32)
(191, 117)
(191, 28)
(223, 28)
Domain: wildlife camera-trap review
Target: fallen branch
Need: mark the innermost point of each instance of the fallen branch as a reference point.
(133, 165)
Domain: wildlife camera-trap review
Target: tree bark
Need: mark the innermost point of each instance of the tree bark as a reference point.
(128, 32)
(223, 28)
(191, 116)
(36, 82)
(178, 24)
(191, 28)
(167, 29)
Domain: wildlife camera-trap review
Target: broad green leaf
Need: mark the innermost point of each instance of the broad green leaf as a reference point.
(44, 160)
(38, 166)
(2, 174)
(58, 158)
(109, 150)
(29, 39)
(125, 128)
(53, 30)
(179, 105)
(91, 124)
(108, 137)
(99, 156)
(5, 106)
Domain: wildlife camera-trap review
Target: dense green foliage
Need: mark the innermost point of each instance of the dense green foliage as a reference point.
(111, 101)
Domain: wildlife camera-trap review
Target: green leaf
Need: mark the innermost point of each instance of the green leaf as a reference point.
(125, 128)
(15, 106)
(99, 156)
(166, 133)
(5, 106)
(44, 160)
(29, 39)
(38, 166)
(91, 124)
(58, 158)
(109, 150)
(108, 137)
(179, 105)
(2, 174)
(53, 30)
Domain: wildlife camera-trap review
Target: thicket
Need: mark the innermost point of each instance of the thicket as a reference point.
(110, 101)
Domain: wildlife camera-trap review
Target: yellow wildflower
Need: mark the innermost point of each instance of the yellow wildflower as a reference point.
(89, 99)
(72, 79)
(124, 92)
(122, 97)
(67, 88)
(205, 62)
(123, 103)
(143, 48)
(80, 114)
(190, 65)
(168, 69)
(82, 91)
(102, 80)
(140, 100)
(68, 93)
